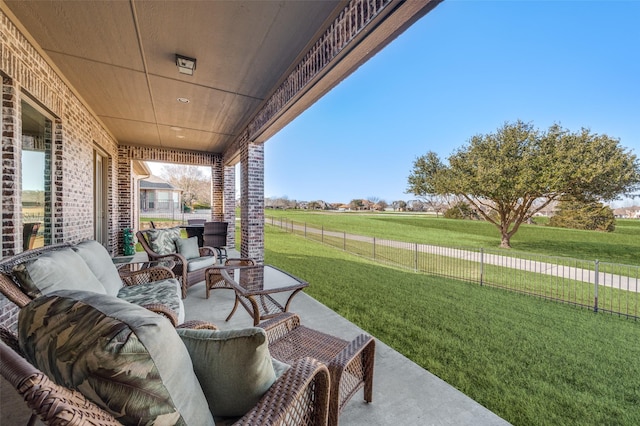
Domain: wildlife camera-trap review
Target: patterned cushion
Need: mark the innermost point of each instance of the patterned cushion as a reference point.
(100, 263)
(124, 358)
(55, 270)
(188, 247)
(233, 366)
(163, 241)
(167, 292)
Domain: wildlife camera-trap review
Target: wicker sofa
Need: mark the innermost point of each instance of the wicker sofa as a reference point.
(88, 266)
(148, 372)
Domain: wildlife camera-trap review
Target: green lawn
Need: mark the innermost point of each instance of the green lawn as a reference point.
(531, 362)
(621, 246)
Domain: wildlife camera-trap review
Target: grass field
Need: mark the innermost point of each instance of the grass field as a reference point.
(621, 246)
(531, 362)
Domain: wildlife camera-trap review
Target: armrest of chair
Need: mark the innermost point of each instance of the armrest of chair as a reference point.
(299, 397)
(163, 310)
(12, 292)
(52, 403)
(279, 326)
(147, 275)
(207, 251)
(198, 325)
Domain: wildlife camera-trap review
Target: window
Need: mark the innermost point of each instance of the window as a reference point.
(36, 150)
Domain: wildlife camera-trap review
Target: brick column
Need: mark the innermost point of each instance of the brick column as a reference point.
(11, 187)
(252, 214)
(229, 203)
(11, 164)
(217, 190)
(124, 199)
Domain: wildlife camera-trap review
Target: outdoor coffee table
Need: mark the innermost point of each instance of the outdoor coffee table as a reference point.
(255, 286)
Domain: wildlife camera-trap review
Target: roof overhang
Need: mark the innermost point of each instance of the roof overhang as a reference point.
(119, 58)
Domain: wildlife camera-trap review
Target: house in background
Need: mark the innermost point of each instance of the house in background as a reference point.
(159, 196)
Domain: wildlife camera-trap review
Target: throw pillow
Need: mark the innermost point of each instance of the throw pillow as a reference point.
(233, 366)
(101, 264)
(61, 269)
(122, 357)
(163, 241)
(188, 247)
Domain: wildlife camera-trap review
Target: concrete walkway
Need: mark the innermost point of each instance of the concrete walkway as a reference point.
(585, 273)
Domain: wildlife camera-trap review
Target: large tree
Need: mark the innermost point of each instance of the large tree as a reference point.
(195, 186)
(509, 175)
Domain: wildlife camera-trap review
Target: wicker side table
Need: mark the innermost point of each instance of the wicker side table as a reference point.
(350, 364)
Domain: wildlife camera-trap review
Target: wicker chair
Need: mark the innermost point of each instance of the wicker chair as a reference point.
(215, 281)
(350, 363)
(186, 278)
(299, 397)
(215, 235)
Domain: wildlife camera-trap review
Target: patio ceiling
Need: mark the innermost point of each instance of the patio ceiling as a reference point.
(119, 56)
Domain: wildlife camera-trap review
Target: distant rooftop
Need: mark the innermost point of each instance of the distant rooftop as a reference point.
(155, 182)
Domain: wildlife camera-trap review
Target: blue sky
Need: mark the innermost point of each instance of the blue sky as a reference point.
(463, 69)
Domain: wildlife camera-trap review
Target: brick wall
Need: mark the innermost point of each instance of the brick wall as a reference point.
(74, 133)
(70, 139)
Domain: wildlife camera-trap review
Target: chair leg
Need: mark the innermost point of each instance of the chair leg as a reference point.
(368, 355)
(235, 306)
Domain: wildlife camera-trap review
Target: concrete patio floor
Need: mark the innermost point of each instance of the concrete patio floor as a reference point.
(404, 393)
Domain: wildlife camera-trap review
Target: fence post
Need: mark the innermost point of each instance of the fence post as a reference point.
(416, 257)
(322, 234)
(481, 266)
(595, 290)
(305, 229)
(344, 240)
(374, 248)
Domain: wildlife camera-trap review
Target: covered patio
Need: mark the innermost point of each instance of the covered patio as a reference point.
(90, 88)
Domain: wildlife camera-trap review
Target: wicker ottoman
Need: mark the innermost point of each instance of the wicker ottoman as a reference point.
(350, 363)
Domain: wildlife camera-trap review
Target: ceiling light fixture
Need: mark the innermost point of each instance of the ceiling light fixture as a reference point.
(185, 64)
(183, 100)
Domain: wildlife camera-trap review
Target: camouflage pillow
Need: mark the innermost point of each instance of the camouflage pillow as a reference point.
(163, 241)
(126, 359)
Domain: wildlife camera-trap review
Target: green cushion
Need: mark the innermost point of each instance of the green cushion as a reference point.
(188, 247)
(201, 262)
(233, 366)
(163, 241)
(61, 269)
(100, 263)
(124, 358)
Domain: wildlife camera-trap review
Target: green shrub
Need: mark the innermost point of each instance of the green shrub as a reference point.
(461, 210)
(587, 215)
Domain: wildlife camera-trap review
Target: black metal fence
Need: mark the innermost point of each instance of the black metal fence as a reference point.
(600, 286)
